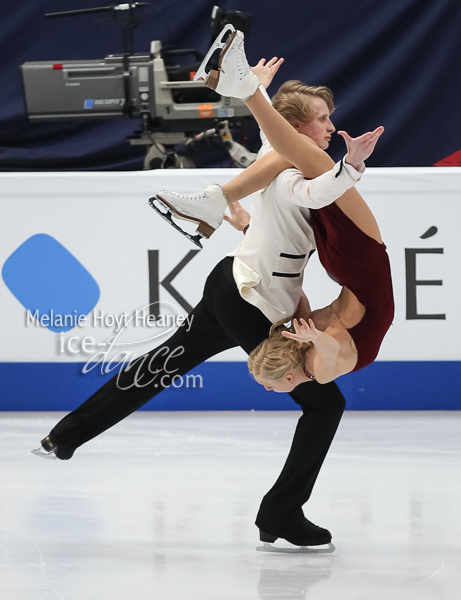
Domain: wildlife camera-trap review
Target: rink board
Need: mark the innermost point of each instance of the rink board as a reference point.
(228, 386)
(88, 245)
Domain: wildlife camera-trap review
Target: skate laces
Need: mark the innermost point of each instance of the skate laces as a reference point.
(242, 66)
(197, 196)
(242, 62)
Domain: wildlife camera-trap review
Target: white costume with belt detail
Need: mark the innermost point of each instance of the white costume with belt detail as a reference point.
(269, 263)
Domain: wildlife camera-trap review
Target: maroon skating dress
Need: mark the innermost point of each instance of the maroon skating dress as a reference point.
(361, 264)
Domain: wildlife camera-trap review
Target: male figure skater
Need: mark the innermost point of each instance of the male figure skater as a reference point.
(240, 313)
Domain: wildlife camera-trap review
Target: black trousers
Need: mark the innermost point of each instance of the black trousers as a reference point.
(221, 320)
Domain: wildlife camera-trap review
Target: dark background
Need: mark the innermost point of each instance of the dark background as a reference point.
(389, 62)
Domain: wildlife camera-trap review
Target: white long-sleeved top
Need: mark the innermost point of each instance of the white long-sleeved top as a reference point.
(269, 263)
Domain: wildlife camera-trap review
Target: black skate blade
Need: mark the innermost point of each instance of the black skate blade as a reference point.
(195, 239)
(266, 547)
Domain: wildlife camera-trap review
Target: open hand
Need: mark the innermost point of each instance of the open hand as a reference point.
(305, 332)
(265, 72)
(239, 217)
(360, 148)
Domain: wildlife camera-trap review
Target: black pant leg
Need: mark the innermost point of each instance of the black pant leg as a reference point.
(141, 380)
(323, 407)
(220, 321)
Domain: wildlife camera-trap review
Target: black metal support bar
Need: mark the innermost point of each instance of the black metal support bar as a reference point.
(99, 9)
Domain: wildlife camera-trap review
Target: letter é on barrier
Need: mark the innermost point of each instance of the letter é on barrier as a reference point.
(412, 282)
(155, 283)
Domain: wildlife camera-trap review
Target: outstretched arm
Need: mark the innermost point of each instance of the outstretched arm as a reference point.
(261, 173)
(315, 193)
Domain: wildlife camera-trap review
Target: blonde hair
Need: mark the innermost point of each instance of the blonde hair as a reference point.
(294, 100)
(277, 355)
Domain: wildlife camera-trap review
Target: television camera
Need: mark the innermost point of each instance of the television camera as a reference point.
(151, 87)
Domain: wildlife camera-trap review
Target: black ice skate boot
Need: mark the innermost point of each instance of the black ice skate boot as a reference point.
(299, 532)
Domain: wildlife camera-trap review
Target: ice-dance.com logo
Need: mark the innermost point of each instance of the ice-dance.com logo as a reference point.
(119, 349)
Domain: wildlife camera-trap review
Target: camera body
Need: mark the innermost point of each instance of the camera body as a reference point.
(104, 89)
(151, 87)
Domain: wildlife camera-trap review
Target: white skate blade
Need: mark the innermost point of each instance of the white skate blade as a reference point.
(41, 452)
(167, 215)
(266, 547)
(218, 44)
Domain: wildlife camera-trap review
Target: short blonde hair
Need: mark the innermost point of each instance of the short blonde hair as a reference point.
(294, 100)
(277, 355)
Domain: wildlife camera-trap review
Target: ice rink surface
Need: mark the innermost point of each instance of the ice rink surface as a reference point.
(162, 507)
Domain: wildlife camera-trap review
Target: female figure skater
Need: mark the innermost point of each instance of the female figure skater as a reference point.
(346, 335)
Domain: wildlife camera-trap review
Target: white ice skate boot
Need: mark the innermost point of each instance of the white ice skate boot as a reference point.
(234, 77)
(205, 208)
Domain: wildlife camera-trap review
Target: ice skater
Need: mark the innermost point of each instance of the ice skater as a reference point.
(226, 318)
(346, 335)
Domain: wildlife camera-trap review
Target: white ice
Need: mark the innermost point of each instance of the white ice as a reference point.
(162, 507)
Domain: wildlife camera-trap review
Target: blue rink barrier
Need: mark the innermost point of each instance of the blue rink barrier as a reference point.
(229, 386)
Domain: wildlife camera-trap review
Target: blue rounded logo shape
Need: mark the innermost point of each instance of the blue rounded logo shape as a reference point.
(50, 282)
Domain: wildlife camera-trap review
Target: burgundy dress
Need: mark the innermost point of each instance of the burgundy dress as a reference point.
(361, 264)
